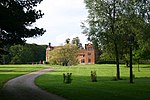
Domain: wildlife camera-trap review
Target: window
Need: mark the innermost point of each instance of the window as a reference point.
(82, 61)
(89, 60)
(89, 54)
(82, 55)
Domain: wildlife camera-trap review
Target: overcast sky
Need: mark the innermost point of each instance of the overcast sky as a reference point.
(62, 20)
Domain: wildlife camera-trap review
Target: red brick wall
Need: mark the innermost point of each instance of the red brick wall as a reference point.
(87, 55)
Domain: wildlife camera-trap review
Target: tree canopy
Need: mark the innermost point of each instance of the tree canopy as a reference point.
(77, 42)
(23, 54)
(16, 21)
(64, 55)
(111, 22)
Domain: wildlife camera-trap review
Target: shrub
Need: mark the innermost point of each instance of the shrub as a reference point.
(93, 76)
(67, 78)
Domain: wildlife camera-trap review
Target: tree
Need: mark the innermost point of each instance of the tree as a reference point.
(102, 24)
(19, 54)
(110, 22)
(27, 53)
(16, 19)
(64, 55)
(67, 41)
(76, 41)
(143, 39)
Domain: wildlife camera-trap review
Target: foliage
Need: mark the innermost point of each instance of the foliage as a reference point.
(67, 41)
(16, 21)
(22, 54)
(64, 55)
(93, 76)
(67, 78)
(111, 22)
(77, 42)
(102, 25)
(106, 57)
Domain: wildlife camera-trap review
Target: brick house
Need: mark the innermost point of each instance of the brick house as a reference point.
(86, 55)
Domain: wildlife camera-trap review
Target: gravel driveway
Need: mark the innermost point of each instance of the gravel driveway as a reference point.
(23, 88)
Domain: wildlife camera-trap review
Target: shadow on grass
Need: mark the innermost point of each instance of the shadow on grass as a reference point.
(5, 77)
(146, 67)
(111, 79)
(15, 71)
(82, 88)
(6, 70)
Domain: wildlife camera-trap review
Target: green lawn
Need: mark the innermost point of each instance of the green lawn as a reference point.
(8, 72)
(82, 88)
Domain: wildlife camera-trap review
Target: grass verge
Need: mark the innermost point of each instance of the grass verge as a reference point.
(8, 72)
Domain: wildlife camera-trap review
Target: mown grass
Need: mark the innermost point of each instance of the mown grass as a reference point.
(8, 72)
(82, 88)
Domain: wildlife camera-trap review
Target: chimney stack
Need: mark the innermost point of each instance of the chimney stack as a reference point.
(49, 44)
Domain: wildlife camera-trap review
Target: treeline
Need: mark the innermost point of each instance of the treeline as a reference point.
(24, 54)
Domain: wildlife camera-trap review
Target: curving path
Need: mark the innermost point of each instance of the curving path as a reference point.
(23, 88)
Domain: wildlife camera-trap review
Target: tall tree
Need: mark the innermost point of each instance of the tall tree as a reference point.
(16, 19)
(110, 22)
(102, 24)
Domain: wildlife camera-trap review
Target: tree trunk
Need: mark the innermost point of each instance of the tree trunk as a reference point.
(117, 61)
(127, 63)
(131, 71)
(115, 43)
(138, 66)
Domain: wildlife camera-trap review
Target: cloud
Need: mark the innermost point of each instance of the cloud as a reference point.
(62, 19)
